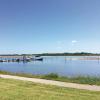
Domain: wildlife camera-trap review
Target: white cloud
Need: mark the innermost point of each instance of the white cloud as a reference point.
(74, 41)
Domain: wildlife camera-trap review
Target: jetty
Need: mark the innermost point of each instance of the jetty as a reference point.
(19, 58)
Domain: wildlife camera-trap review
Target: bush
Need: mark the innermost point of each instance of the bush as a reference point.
(51, 76)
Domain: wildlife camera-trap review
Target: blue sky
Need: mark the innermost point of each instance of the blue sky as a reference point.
(37, 26)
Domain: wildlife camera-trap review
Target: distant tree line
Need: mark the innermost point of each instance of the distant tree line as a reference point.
(56, 54)
(69, 54)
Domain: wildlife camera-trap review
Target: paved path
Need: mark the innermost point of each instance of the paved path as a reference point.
(57, 83)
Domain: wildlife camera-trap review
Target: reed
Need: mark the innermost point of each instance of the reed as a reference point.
(53, 76)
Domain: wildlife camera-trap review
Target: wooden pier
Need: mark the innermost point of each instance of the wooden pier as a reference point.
(15, 58)
(19, 58)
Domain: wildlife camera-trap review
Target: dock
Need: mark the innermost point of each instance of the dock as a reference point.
(19, 58)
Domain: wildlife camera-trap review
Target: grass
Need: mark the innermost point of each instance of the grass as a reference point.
(53, 76)
(78, 79)
(22, 90)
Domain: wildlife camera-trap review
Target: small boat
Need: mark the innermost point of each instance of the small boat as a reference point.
(37, 56)
(9, 60)
(39, 59)
(1, 60)
(18, 60)
(28, 59)
(4, 60)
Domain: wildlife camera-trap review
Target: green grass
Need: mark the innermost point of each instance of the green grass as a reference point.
(78, 79)
(54, 76)
(22, 90)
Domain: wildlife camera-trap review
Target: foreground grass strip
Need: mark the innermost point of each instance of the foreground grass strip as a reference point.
(22, 90)
(51, 82)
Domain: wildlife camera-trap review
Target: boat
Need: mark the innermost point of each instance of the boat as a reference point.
(39, 59)
(37, 56)
(1, 60)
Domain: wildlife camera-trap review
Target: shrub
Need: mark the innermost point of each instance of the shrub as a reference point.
(51, 76)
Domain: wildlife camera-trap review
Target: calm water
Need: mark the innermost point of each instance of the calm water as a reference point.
(62, 65)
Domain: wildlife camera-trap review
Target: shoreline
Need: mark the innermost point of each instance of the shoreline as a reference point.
(55, 83)
(53, 76)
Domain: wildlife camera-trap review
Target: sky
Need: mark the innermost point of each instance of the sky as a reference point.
(49, 26)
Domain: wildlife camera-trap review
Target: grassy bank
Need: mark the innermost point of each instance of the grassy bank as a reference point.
(53, 76)
(21, 90)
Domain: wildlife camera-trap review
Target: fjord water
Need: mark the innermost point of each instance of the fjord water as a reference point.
(64, 66)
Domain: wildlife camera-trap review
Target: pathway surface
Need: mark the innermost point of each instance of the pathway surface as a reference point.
(57, 83)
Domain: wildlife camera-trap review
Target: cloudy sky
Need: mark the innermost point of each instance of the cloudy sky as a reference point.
(37, 26)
